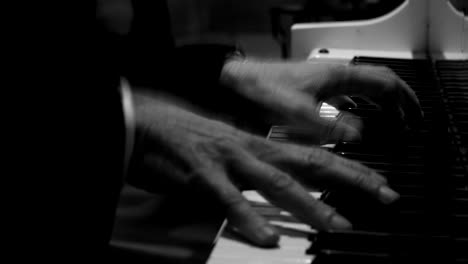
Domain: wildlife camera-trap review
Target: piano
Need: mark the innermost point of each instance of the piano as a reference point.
(426, 43)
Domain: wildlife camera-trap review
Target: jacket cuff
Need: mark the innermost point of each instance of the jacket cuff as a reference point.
(129, 119)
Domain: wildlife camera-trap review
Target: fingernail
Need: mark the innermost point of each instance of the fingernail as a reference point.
(352, 135)
(339, 222)
(269, 236)
(387, 195)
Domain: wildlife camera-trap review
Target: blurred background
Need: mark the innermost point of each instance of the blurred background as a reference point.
(261, 27)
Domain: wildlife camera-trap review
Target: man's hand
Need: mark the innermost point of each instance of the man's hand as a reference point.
(191, 149)
(293, 91)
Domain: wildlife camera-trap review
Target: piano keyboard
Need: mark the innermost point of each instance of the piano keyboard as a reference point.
(427, 166)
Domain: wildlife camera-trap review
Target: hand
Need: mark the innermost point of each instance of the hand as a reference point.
(294, 90)
(196, 151)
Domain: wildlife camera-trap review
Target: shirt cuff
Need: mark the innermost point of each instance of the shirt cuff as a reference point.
(129, 119)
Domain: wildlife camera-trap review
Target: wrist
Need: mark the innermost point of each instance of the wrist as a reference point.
(237, 72)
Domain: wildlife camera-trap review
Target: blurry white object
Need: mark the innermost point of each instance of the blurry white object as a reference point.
(413, 29)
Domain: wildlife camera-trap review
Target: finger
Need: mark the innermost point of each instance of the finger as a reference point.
(330, 130)
(318, 165)
(239, 212)
(410, 104)
(282, 190)
(382, 86)
(301, 108)
(351, 120)
(341, 102)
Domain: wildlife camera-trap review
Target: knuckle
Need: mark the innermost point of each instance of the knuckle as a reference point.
(365, 171)
(390, 79)
(266, 151)
(257, 143)
(390, 89)
(203, 147)
(318, 157)
(217, 149)
(358, 167)
(361, 180)
(365, 174)
(331, 129)
(337, 71)
(224, 143)
(303, 111)
(382, 71)
(280, 181)
(341, 74)
(323, 214)
(379, 178)
(326, 212)
(386, 70)
(232, 199)
(372, 176)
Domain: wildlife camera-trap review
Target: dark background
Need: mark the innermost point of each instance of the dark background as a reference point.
(248, 22)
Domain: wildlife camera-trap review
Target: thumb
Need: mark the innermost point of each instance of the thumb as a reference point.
(341, 102)
(303, 111)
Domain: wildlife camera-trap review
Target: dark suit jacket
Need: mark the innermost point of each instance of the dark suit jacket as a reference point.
(69, 171)
(146, 57)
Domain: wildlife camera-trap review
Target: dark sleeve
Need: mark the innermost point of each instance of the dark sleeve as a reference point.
(190, 72)
(195, 75)
(152, 60)
(147, 57)
(97, 173)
